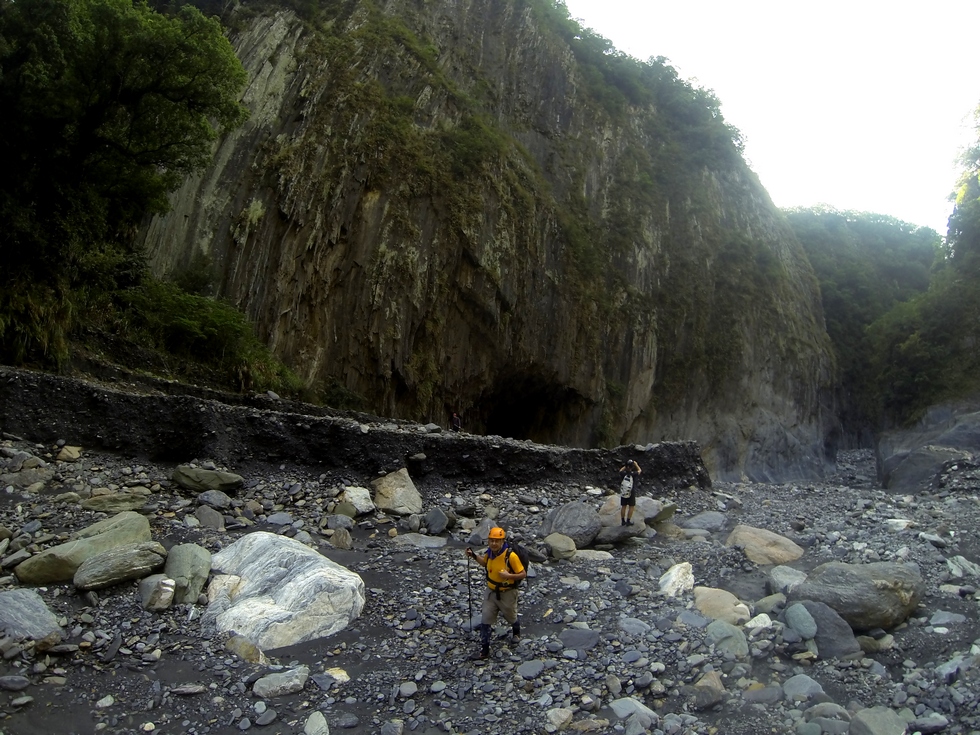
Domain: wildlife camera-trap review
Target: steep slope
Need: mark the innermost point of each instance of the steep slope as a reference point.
(474, 206)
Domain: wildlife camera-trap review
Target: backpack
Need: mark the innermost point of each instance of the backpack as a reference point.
(516, 548)
(626, 486)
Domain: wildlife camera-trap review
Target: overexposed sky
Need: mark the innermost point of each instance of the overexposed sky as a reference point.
(860, 105)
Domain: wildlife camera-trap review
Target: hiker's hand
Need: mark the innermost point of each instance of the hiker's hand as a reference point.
(470, 554)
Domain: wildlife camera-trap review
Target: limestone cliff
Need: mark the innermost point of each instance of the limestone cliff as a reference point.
(445, 205)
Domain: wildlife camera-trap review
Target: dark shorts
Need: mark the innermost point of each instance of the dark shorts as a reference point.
(628, 500)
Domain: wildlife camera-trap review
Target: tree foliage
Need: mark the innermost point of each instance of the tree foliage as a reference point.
(869, 266)
(930, 351)
(107, 105)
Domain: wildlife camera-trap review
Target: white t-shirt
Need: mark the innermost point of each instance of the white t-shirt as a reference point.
(626, 486)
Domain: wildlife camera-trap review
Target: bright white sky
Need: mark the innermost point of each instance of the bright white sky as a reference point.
(861, 105)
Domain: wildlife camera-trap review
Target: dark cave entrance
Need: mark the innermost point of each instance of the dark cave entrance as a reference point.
(530, 407)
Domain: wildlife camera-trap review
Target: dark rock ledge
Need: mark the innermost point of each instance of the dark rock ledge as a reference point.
(154, 421)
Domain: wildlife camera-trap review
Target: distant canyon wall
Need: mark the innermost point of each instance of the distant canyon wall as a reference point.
(434, 208)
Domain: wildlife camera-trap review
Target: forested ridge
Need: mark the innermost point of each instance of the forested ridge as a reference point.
(109, 104)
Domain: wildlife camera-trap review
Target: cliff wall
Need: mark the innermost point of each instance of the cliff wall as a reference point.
(443, 206)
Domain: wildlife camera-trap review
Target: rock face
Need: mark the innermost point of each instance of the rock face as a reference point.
(910, 459)
(438, 208)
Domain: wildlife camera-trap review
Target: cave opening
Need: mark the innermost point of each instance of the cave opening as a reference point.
(530, 407)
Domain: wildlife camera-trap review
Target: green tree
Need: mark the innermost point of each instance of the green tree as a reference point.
(107, 105)
(867, 265)
(929, 351)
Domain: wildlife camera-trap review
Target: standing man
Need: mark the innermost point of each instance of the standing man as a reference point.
(630, 473)
(504, 572)
(456, 423)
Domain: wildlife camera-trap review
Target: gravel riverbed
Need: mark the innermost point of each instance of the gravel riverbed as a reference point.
(597, 632)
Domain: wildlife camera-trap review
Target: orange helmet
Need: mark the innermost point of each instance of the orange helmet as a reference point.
(497, 532)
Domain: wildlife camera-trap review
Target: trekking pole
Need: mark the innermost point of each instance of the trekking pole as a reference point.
(469, 596)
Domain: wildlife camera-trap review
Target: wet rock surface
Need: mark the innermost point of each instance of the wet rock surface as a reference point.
(603, 649)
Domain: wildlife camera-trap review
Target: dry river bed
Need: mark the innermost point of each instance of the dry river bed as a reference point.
(404, 665)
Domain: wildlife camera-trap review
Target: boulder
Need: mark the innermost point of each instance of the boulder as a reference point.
(579, 639)
(201, 480)
(610, 509)
(867, 596)
(188, 565)
(23, 615)
(655, 511)
(281, 683)
(359, 498)
(277, 592)
(216, 499)
(341, 539)
(115, 502)
(69, 454)
(709, 520)
(677, 580)
(728, 638)
(436, 521)
(720, 604)
(834, 637)
(618, 534)
(419, 541)
(120, 564)
(577, 520)
(762, 546)
(396, 493)
(156, 592)
(59, 563)
(877, 721)
(782, 579)
(562, 547)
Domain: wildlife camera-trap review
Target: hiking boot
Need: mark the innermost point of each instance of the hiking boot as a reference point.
(482, 654)
(622, 521)
(629, 522)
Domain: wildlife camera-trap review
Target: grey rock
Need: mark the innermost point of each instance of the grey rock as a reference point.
(579, 638)
(24, 615)
(210, 518)
(877, 721)
(800, 620)
(59, 563)
(156, 592)
(577, 520)
(189, 566)
(436, 521)
(215, 498)
(201, 480)
(801, 688)
(341, 539)
(834, 637)
(120, 564)
(281, 683)
(876, 595)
